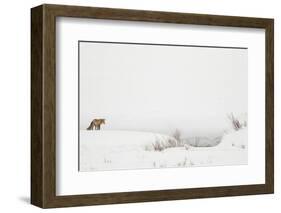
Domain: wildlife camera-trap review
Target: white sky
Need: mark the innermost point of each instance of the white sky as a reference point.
(161, 88)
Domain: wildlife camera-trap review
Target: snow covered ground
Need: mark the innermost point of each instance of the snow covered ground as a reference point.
(116, 150)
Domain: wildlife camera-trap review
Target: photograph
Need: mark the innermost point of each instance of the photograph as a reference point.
(137, 105)
(151, 106)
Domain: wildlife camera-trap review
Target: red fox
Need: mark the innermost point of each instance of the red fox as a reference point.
(96, 123)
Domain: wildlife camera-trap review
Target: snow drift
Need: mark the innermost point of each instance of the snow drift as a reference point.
(116, 150)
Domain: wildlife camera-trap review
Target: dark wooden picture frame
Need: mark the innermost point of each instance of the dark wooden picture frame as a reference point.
(43, 105)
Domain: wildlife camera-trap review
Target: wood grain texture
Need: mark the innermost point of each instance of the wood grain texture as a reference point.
(43, 105)
(36, 106)
(269, 99)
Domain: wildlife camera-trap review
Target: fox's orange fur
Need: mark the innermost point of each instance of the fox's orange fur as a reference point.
(96, 123)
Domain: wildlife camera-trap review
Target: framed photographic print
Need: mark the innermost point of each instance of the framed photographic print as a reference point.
(136, 106)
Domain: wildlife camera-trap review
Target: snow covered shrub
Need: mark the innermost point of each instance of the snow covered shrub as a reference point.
(236, 123)
(179, 140)
(162, 143)
(177, 135)
(158, 146)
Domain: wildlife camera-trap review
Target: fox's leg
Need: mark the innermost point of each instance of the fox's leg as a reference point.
(98, 126)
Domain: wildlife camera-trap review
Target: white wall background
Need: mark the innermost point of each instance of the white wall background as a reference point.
(15, 105)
